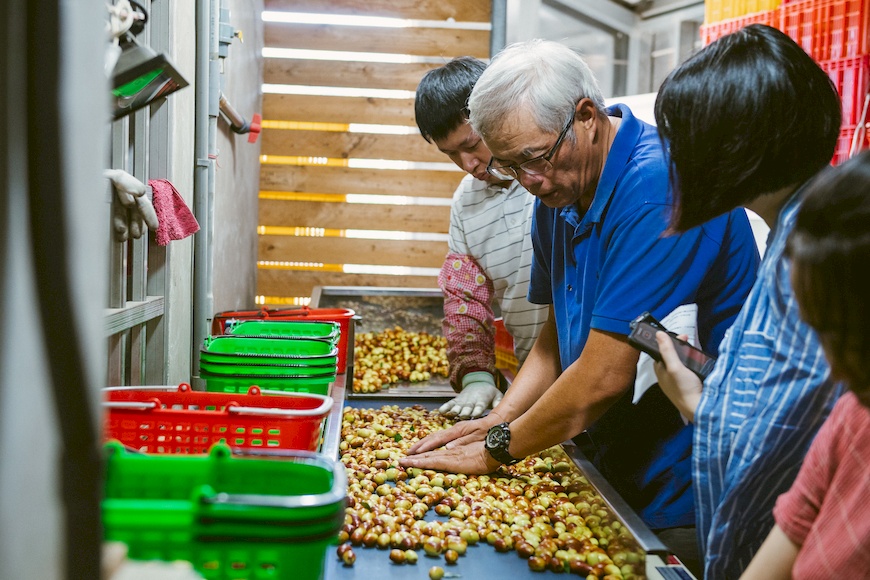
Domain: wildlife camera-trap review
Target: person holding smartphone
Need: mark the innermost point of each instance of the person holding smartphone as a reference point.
(643, 337)
(748, 120)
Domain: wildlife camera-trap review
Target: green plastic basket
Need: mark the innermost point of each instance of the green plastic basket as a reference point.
(289, 348)
(263, 515)
(241, 383)
(265, 360)
(286, 329)
(219, 368)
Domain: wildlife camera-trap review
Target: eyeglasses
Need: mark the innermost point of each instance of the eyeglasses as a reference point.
(535, 166)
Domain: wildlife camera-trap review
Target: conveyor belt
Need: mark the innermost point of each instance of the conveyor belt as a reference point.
(481, 561)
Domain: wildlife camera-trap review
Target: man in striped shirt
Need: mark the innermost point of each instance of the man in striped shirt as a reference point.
(490, 250)
(770, 390)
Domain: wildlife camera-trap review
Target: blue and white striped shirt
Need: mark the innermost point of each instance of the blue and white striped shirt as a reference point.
(761, 407)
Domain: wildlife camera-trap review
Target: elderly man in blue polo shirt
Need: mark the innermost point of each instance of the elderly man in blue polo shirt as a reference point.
(600, 259)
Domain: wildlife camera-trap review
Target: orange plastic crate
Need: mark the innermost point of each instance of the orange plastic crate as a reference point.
(716, 30)
(851, 76)
(716, 10)
(828, 29)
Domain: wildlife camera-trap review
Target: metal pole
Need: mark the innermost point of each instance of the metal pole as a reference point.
(498, 34)
(201, 286)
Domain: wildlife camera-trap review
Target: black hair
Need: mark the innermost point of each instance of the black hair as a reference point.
(749, 114)
(830, 251)
(441, 103)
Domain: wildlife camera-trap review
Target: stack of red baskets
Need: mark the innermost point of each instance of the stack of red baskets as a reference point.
(836, 33)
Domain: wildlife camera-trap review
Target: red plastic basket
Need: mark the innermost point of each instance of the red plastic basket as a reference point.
(179, 420)
(828, 29)
(714, 31)
(851, 76)
(341, 315)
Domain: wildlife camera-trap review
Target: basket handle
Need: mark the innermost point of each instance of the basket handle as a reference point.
(325, 406)
(181, 388)
(129, 405)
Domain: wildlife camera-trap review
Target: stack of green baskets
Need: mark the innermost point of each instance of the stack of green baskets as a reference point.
(287, 355)
(231, 516)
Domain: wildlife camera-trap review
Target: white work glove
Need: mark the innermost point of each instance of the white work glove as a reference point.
(478, 394)
(134, 210)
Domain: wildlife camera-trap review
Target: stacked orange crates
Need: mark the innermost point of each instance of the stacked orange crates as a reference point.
(836, 33)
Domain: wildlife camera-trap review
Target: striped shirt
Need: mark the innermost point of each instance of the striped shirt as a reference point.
(766, 398)
(489, 227)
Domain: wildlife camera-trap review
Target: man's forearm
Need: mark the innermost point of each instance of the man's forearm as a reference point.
(537, 374)
(580, 396)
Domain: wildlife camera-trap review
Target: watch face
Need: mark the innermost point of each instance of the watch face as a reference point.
(495, 437)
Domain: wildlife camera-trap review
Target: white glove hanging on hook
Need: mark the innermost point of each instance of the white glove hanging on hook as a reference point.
(133, 210)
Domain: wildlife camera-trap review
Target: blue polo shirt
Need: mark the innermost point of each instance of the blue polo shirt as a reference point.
(603, 267)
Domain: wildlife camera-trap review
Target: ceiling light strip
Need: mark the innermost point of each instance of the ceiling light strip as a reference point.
(390, 270)
(348, 268)
(300, 231)
(371, 199)
(320, 91)
(283, 300)
(340, 127)
(355, 198)
(396, 235)
(303, 196)
(302, 160)
(371, 21)
(356, 163)
(313, 232)
(349, 56)
(299, 266)
(305, 126)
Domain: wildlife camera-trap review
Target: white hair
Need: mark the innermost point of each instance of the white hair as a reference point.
(545, 78)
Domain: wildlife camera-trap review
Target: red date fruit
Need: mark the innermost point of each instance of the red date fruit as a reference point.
(537, 564)
(348, 557)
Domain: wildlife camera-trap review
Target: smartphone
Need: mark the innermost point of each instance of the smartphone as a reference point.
(643, 338)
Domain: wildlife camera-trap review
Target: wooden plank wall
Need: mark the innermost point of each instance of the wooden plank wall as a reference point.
(311, 157)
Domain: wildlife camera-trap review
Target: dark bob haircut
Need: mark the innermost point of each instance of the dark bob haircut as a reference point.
(748, 115)
(830, 251)
(441, 103)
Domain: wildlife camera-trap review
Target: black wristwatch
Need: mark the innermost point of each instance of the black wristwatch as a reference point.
(497, 441)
